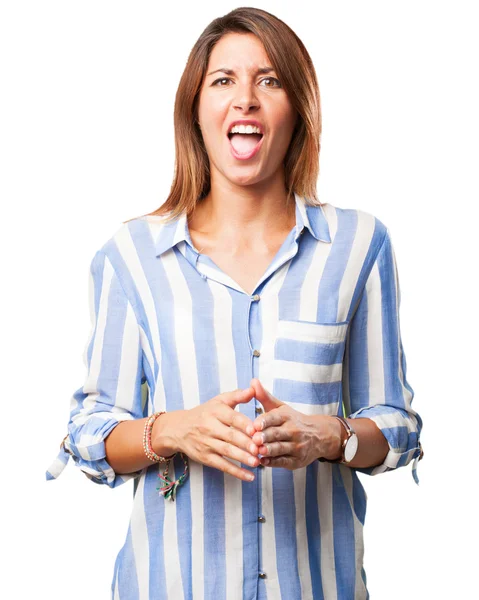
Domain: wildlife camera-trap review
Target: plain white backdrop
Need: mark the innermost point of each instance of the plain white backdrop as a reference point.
(86, 142)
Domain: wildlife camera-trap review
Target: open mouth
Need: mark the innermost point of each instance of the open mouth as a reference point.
(244, 144)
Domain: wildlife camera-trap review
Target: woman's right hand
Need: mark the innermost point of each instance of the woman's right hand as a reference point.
(210, 433)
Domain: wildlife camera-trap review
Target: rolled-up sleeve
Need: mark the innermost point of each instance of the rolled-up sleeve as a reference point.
(374, 374)
(113, 390)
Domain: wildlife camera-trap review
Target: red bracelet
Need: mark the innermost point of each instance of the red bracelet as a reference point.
(150, 453)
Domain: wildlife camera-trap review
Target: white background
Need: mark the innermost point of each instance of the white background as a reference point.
(86, 142)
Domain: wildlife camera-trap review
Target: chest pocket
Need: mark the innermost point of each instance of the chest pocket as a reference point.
(308, 361)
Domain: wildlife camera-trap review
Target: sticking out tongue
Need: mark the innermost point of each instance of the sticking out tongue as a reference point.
(244, 142)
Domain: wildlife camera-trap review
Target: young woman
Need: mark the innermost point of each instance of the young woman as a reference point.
(245, 359)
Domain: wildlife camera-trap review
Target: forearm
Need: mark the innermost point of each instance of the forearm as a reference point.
(124, 445)
(372, 445)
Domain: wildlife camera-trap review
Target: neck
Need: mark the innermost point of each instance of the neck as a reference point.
(240, 216)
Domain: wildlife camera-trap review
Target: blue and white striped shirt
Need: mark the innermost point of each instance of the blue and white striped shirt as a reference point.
(171, 330)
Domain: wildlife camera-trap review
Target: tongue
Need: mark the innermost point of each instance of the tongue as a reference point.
(245, 142)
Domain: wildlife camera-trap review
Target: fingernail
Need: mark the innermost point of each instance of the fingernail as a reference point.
(262, 424)
(266, 461)
(252, 461)
(251, 430)
(252, 448)
(250, 476)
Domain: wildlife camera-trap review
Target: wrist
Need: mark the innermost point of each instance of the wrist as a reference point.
(333, 446)
(163, 440)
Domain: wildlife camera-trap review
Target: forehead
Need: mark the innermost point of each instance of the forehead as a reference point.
(238, 51)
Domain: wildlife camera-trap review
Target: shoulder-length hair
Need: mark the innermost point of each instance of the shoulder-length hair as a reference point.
(295, 70)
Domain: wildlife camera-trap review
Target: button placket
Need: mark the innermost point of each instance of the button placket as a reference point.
(254, 317)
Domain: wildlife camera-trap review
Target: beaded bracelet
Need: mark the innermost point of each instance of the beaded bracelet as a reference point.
(168, 487)
(147, 440)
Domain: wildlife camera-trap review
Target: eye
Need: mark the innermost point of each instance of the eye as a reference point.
(221, 79)
(272, 79)
(278, 83)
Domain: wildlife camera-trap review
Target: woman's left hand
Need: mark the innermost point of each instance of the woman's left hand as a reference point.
(290, 439)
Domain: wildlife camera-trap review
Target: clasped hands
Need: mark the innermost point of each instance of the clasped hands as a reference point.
(215, 434)
(288, 438)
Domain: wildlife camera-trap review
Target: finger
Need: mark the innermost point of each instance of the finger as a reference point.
(278, 449)
(228, 450)
(237, 396)
(268, 401)
(234, 436)
(286, 462)
(232, 399)
(234, 418)
(272, 434)
(270, 419)
(223, 464)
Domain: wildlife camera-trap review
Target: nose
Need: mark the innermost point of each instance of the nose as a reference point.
(245, 98)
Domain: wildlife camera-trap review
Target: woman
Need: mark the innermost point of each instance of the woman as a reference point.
(247, 320)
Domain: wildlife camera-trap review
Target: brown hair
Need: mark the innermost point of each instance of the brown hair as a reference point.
(295, 70)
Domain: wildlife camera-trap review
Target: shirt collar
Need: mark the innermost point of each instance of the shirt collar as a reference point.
(311, 217)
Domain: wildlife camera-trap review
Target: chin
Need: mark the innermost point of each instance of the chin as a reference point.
(242, 175)
(245, 180)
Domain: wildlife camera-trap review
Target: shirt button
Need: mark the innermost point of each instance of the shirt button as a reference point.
(256, 297)
(262, 575)
(261, 519)
(258, 409)
(256, 353)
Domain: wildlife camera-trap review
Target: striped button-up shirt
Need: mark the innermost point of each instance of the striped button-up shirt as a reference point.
(170, 330)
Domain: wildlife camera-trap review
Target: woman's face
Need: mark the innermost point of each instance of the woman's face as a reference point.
(244, 94)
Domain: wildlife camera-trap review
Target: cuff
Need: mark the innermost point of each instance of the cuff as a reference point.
(89, 454)
(401, 431)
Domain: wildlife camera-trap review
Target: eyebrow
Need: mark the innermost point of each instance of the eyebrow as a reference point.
(261, 70)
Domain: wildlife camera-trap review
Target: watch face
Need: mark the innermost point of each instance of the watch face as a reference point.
(351, 448)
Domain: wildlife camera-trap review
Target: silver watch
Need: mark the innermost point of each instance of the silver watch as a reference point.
(349, 446)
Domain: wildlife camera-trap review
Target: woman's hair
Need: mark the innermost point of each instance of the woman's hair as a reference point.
(295, 70)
